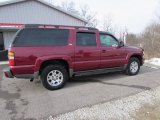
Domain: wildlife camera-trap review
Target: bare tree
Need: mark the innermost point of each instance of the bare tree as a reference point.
(69, 6)
(89, 16)
(108, 24)
(151, 40)
(132, 39)
(84, 12)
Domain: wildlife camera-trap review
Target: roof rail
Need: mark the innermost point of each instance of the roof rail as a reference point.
(92, 28)
(58, 26)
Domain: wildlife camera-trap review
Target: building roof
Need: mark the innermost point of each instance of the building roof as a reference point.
(45, 3)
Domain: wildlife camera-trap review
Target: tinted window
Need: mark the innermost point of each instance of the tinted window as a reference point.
(42, 37)
(107, 40)
(86, 39)
(1, 42)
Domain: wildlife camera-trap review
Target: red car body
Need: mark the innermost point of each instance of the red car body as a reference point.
(28, 61)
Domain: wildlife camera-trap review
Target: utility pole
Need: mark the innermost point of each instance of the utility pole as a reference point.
(124, 37)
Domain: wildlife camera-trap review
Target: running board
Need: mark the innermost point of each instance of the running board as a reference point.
(98, 71)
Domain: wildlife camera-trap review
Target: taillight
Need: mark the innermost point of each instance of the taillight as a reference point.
(11, 58)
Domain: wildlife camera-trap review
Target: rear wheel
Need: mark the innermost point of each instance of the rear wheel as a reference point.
(133, 66)
(54, 77)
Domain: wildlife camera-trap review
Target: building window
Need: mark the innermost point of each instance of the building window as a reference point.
(1, 42)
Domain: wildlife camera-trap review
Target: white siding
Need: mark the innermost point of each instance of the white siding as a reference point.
(32, 12)
(8, 38)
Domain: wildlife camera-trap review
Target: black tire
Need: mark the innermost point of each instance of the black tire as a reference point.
(128, 70)
(47, 71)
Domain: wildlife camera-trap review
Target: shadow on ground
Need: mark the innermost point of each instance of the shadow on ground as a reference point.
(103, 79)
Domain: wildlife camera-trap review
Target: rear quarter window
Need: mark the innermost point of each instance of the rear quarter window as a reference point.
(42, 37)
(86, 39)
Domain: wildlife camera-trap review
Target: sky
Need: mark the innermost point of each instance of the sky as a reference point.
(135, 15)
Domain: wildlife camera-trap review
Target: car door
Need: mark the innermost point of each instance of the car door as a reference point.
(111, 54)
(87, 53)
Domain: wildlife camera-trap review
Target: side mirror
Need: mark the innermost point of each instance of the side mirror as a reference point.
(121, 44)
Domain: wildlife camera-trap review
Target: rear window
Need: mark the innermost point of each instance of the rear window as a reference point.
(42, 37)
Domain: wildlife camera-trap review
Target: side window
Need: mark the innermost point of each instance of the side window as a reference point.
(1, 42)
(86, 39)
(42, 37)
(107, 40)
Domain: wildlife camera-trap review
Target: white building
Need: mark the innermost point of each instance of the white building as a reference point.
(15, 13)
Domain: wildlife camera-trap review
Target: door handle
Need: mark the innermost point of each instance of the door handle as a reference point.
(103, 51)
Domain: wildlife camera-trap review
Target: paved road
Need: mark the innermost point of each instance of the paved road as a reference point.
(21, 99)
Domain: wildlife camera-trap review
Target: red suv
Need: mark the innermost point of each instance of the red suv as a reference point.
(56, 53)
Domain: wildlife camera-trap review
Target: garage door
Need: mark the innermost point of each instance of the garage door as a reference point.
(3, 53)
(1, 42)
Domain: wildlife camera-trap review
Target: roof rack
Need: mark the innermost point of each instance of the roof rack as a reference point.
(92, 28)
(58, 26)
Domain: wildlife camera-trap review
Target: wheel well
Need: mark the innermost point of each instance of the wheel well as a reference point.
(54, 62)
(139, 58)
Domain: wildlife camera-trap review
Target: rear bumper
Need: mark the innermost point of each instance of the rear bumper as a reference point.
(28, 76)
(8, 73)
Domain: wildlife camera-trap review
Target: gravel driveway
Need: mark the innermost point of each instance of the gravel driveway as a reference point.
(143, 106)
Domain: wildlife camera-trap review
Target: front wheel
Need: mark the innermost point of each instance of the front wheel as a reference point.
(54, 77)
(133, 66)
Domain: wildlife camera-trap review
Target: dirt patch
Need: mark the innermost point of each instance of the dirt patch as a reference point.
(149, 112)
